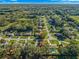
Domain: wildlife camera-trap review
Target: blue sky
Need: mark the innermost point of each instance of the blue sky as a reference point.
(41, 1)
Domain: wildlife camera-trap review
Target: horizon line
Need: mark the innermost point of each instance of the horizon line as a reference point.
(76, 2)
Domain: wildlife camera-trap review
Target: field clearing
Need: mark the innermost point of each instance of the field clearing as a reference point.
(75, 18)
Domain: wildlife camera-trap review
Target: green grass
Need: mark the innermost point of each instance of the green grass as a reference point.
(54, 41)
(75, 18)
(31, 41)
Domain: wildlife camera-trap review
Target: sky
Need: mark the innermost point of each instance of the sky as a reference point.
(40, 1)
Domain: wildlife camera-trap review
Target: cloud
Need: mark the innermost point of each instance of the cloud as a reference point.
(73, 0)
(13, 0)
(64, 0)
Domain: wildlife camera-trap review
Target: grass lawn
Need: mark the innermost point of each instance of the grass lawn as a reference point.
(75, 18)
(54, 41)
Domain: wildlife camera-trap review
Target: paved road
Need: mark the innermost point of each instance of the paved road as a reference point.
(48, 33)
